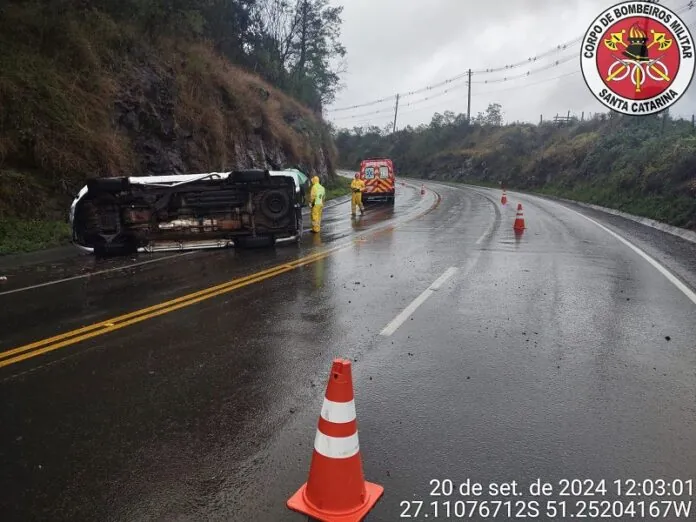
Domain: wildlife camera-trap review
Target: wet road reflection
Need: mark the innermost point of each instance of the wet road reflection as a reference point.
(545, 354)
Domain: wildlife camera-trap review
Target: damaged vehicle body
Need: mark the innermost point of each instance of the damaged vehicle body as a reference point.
(124, 215)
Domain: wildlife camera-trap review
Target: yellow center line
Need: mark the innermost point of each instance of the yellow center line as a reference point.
(111, 324)
(56, 342)
(155, 311)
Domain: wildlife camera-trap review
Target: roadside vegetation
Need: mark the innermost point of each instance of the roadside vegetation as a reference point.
(109, 88)
(645, 166)
(26, 235)
(337, 187)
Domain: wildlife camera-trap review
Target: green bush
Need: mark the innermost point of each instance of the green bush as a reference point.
(17, 235)
(631, 164)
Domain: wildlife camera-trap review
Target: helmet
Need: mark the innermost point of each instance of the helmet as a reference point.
(315, 180)
(357, 175)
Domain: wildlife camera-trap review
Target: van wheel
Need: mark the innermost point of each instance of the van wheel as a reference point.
(274, 204)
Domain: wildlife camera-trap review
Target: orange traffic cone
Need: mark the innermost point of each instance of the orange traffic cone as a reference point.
(503, 200)
(336, 490)
(422, 189)
(519, 220)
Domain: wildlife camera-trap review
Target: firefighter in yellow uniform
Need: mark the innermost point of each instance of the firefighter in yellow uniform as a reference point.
(316, 201)
(357, 186)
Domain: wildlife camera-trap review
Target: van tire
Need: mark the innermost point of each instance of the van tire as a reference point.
(274, 204)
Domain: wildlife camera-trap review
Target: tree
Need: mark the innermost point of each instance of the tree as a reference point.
(316, 46)
(494, 115)
(297, 46)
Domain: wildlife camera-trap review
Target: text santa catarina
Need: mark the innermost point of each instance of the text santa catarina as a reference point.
(637, 58)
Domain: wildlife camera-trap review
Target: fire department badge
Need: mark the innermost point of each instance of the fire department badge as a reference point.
(637, 58)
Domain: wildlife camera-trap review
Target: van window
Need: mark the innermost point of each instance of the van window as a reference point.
(369, 172)
(384, 172)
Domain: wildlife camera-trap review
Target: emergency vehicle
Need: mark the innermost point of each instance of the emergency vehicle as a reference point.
(378, 175)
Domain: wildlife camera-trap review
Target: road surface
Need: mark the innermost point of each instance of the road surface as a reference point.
(188, 386)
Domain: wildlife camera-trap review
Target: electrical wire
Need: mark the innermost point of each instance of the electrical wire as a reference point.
(559, 48)
(406, 110)
(447, 91)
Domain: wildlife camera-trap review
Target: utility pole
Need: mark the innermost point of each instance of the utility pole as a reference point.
(468, 106)
(396, 112)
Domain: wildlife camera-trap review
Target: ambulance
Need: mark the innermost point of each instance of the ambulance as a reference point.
(378, 175)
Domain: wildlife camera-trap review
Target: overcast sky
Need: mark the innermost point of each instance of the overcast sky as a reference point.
(403, 45)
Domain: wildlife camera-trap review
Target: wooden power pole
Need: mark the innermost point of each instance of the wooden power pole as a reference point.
(468, 105)
(396, 112)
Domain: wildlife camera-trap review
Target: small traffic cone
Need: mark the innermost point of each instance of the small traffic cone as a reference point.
(519, 220)
(336, 490)
(422, 190)
(503, 200)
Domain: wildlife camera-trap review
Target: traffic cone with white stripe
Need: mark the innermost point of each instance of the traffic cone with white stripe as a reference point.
(503, 200)
(336, 490)
(422, 190)
(519, 220)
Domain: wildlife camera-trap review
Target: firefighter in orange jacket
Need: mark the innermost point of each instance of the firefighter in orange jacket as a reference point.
(357, 186)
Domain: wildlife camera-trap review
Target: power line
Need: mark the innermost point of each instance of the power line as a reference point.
(452, 88)
(559, 48)
(529, 84)
(474, 94)
(359, 106)
(528, 73)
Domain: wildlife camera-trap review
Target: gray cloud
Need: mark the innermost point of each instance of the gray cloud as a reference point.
(402, 45)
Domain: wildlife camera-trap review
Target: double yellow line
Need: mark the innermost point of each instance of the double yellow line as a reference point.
(116, 323)
(56, 342)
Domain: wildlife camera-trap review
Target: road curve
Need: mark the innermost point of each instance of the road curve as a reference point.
(189, 388)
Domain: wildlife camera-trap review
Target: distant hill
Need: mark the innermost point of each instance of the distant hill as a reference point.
(645, 166)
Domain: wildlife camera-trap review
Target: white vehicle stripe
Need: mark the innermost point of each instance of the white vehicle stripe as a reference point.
(338, 412)
(401, 318)
(336, 447)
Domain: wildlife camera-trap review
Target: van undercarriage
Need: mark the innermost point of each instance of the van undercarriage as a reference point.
(119, 216)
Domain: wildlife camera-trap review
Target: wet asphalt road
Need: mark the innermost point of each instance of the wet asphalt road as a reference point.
(544, 356)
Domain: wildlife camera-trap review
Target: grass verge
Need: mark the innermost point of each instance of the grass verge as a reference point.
(21, 235)
(674, 211)
(337, 188)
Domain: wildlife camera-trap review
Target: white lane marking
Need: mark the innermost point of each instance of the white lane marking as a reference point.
(660, 268)
(338, 412)
(406, 313)
(91, 274)
(336, 447)
(488, 231)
